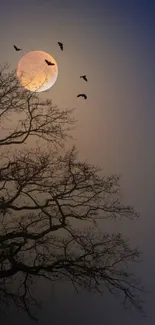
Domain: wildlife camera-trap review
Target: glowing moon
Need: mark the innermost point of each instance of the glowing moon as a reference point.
(33, 72)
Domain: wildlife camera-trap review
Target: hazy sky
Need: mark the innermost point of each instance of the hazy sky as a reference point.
(113, 42)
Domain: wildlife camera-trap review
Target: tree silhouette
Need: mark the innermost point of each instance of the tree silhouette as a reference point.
(50, 206)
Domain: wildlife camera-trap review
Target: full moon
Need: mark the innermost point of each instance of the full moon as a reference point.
(33, 72)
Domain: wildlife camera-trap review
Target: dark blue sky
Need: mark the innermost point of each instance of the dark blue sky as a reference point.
(113, 42)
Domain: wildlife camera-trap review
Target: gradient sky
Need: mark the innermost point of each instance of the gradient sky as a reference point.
(113, 42)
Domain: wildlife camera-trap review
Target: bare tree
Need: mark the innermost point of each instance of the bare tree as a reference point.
(50, 206)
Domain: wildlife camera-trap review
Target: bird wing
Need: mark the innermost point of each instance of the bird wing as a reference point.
(17, 48)
(61, 45)
(82, 95)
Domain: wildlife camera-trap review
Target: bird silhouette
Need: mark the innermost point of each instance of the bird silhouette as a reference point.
(61, 45)
(17, 48)
(84, 77)
(49, 63)
(82, 95)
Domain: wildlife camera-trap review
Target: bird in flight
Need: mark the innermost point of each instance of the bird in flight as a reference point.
(17, 48)
(84, 77)
(61, 45)
(82, 95)
(49, 63)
